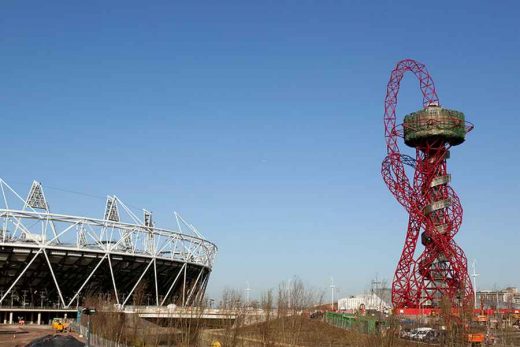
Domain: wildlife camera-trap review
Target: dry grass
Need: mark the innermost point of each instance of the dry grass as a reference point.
(283, 322)
(300, 331)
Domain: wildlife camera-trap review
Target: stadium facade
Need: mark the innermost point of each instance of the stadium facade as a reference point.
(52, 261)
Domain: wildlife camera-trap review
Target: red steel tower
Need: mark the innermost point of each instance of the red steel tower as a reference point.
(435, 212)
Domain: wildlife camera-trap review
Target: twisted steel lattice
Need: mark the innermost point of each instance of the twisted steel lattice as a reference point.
(441, 269)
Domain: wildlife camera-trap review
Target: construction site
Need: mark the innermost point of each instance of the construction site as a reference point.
(119, 280)
(259, 173)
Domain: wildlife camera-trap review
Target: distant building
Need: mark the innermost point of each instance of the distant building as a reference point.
(370, 301)
(502, 298)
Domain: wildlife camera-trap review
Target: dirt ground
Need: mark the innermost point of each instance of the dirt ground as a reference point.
(19, 336)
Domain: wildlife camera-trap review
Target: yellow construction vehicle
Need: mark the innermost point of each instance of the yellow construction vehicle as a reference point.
(59, 325)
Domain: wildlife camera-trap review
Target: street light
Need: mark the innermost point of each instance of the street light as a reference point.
(332, 288)
(475, 275)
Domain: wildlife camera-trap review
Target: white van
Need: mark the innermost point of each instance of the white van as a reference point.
(419, 333)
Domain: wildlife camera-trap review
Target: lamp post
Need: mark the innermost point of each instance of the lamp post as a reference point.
(332, 287)
(248, 290)
(289, 294)
(475, 275)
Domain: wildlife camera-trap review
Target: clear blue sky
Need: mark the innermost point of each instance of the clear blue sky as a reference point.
(261, 123)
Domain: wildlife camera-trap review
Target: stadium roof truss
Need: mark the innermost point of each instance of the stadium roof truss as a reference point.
(33, 226)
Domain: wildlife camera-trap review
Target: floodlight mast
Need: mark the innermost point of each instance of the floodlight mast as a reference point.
(435, 212)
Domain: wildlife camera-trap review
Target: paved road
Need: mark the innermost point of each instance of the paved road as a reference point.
(56, 341)
(21, 336)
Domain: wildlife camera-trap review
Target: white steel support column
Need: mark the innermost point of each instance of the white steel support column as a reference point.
(156, 283)
(173, 284)
(200, 293)
(86, 281)
(20, 275)
(184, 286)
(137, 283)
(194, 286)
(54, 277)
(113, 279)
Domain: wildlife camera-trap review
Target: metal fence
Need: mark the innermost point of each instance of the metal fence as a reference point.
(98, 341)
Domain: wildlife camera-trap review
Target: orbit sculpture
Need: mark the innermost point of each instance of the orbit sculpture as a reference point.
(435, 211)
